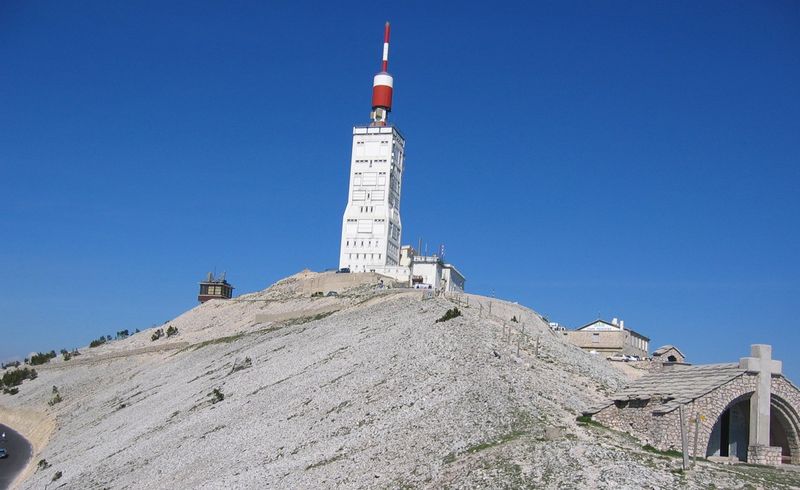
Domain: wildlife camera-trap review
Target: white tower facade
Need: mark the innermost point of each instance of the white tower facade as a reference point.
(371, 226)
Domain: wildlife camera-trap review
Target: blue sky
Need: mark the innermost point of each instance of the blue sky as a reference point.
(627, 159)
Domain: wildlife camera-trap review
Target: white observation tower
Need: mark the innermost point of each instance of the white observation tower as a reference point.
(371, 224)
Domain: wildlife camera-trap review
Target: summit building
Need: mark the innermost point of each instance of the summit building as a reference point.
(371, 225)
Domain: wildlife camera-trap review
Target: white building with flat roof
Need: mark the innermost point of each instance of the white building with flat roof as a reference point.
(432, 272)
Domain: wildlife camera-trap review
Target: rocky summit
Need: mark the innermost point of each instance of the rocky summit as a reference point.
(371, 387)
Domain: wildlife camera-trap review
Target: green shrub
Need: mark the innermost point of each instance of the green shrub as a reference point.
(42, 357)
(57, 476)
(216, 396)
(98, 342)
(171, 331)
(317, 294)
(42, 464)
(56, 397)
(449, 315)
(514, 319)
(10, 391)
(587, 420)
(672, 453)
(157, 335)
(14, 378)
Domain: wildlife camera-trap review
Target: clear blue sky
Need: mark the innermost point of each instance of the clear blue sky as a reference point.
(632, 159)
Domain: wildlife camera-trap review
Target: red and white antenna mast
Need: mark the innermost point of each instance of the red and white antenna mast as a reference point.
(382, 87)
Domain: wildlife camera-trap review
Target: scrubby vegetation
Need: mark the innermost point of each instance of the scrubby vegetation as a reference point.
(42, 464)
(587, 420)
(57, 476)
(69, 355)
(98, 342)
(122, 334)
(12, 379)
(317, 294)
(171, 331)
(450, 314)
(56, 397)
(670, 453)
(42, 357)
(216, 396)
(157, 335)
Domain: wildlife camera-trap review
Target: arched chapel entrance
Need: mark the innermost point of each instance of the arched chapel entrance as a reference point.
(731, 431)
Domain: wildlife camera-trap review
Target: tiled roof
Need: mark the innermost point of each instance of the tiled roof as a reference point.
(665, 348)
(679, 384)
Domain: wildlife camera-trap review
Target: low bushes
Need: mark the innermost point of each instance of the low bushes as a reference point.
(56, 397)
(16, 377)
(42, 357)
(12, 379)
(216, 396)
(449, 315)
(97, 342)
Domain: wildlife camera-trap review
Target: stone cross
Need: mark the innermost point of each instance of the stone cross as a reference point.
(761, 363)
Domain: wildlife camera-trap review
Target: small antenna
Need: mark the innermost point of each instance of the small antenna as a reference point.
(385, 60)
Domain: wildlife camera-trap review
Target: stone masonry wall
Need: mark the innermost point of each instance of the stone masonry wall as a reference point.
(636, 417)
(663, 430)
(767, 455)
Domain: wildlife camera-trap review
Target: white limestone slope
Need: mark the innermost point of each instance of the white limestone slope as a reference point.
(375, 395)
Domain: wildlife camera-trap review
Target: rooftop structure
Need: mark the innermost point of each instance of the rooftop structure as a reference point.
(215, 288)
(668, 354)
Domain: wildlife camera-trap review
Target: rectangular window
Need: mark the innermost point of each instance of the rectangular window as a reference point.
(595, 338)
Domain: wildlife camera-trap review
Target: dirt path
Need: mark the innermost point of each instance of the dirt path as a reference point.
(113, 355)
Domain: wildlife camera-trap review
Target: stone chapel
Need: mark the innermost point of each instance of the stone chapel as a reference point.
(747, 411)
